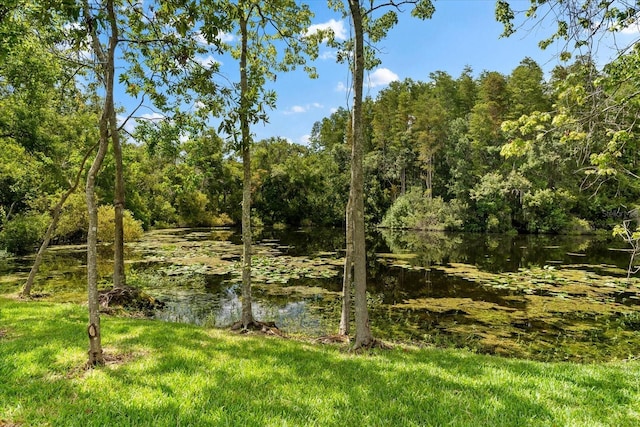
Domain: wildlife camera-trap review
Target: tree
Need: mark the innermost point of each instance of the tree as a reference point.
(44, 111)
(364, 23)
(526, 89)
(106, 73)
(55, 217)
(596, 109)
(430, 132)
(394, 116)
(261, 27)
(157, 45)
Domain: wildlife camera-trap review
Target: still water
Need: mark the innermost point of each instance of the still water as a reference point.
(542, 297)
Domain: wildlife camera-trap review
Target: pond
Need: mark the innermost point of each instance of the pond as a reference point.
(539, 297)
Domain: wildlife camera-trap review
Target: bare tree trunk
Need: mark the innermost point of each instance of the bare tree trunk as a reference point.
(10, 213)
(403, 181)
(119, 279)
(247, 312)
(347, 279)
(26, 289)
(429, 177)
(364, 337)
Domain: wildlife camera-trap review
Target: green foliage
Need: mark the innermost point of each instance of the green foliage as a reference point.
(488, 149)
(632, 236)
(22, 233)
(495, 200)
(132, 228)
(222, 220)
(576, 226)
(415, 210)
(400, 214)
(192, 208)
(295, 185)
(547, 211)
(74, 219)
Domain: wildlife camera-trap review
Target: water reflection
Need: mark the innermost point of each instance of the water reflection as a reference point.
(446, 289)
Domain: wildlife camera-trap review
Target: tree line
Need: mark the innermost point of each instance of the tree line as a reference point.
(466, 153)
(484, 153)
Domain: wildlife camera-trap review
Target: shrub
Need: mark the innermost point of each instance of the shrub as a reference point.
(400, 214)
(192, 208)
(547, 211)
(222, 220)
(74, 222)
(106, 225)
(414, 210)
(576, 226)
(436, 214)
(74, 219)
(22, 233)
(164, 214)
(496, 198)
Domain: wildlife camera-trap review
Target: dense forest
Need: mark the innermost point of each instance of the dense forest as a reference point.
(478, 152)
(487, 152)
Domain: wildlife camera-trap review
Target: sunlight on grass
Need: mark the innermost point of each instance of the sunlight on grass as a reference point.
(170, 374)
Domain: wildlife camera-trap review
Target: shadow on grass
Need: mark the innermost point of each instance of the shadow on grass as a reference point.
(191, 376)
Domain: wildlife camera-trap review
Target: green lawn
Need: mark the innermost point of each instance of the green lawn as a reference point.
(175, 374)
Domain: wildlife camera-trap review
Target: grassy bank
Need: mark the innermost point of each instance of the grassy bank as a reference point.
(175, 374)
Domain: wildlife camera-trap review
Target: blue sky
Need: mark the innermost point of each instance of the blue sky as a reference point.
(461, 33)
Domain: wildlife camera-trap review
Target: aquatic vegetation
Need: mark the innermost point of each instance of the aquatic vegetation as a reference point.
(545, 312)
(488, 300)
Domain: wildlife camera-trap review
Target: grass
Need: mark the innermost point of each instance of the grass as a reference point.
(167, 374)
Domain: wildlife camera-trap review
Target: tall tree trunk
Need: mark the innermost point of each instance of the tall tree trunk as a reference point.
(105, 73)
(429, 177)
(119, 279)
(95, 338)
(364, 337)
(247, 312)
(347, 279)
(403, 181)
(26, 289)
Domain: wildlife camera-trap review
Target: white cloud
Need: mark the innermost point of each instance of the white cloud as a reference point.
(338, 28)
(130, 126)
(207, 61)
(381, 77)
(152, 117)
(305, 139)
(297, 109)
(222, 36)
(341, 87)
(226, 37)
(132, 121)
(328, 54)
(632, 29)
